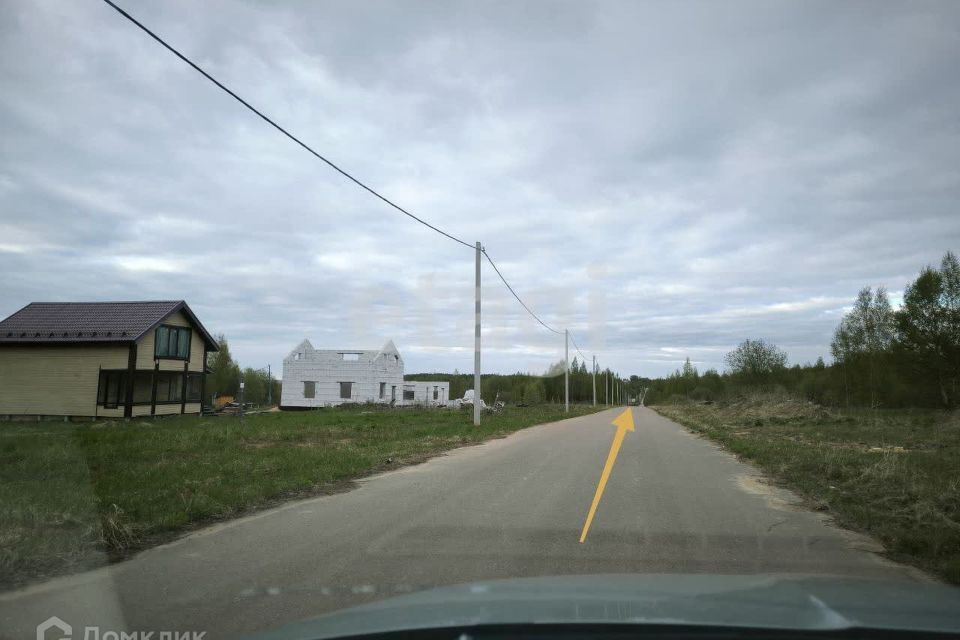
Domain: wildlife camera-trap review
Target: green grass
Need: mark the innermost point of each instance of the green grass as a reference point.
(894, 474)
(73, 496)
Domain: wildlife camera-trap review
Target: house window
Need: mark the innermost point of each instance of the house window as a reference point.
(194, 384)
(393, 393)
(309, 389)
(142, 387)
(345, 389)
(383, 390)
(172, 342)
(436, 393)
(112, 388)
(169, 387)
(408, 393)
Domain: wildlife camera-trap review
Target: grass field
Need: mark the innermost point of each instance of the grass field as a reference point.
(894, 474)
(74, 496)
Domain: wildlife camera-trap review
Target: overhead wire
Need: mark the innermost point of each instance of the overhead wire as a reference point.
(576, 347)
(330, 163)
(269, 121)
(522, 303)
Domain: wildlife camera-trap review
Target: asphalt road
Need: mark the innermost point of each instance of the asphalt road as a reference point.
(511, 507)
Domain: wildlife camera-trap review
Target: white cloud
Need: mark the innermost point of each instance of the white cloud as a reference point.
(151, 264)
(665, 186)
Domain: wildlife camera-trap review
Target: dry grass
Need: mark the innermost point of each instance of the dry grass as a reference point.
(894, 474)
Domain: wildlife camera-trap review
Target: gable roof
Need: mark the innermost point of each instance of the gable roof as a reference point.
(82, 322)
(363, 355)
(388, 349)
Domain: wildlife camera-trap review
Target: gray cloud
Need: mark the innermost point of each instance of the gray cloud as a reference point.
(666, 179)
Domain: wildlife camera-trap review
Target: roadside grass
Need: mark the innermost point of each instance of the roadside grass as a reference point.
(75, 496)
(894, 474)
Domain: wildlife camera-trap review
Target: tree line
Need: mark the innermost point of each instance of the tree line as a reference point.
(227, 374)
(518, 388)
(527, 388)
(905, 357)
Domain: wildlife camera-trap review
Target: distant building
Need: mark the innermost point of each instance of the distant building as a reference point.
(330, 377)
(103, 359)
(426, 392)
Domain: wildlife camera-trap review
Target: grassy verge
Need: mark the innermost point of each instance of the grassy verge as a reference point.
(894, 474)
(74, 496)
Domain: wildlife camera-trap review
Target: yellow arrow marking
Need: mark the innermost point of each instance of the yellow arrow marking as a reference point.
(624, 423)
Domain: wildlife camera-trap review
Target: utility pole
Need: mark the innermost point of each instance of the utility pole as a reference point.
(566, 370)
(594, 380)
(269, 387)
(241, 400)
(476, 346)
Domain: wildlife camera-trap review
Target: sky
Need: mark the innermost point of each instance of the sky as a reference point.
(663, 179)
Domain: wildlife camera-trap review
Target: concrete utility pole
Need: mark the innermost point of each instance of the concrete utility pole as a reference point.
(594, 380)
(566, 370)
(269, 387)
(476, 347)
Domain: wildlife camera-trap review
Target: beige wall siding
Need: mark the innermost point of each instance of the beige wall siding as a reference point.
(166, 409)
(145, 348)
(55, 379)
(140, 411)
(196, 352)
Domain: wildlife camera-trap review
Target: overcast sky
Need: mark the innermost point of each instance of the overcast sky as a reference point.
(665, 179)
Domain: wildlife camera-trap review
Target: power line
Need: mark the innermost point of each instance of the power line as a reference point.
(575, 346)
(279, 128)
(328, 162)
(535, 317)
(522, 303)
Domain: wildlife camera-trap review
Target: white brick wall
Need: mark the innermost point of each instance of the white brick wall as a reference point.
(327, 369)
(423, 391)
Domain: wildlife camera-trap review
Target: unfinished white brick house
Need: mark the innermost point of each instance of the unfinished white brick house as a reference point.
(330, 377)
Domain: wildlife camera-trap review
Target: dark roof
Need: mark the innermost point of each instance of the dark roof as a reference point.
(61, 322)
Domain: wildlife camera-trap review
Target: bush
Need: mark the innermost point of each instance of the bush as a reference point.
(701, 394)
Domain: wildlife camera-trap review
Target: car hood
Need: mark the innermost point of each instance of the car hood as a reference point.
(755, 601)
